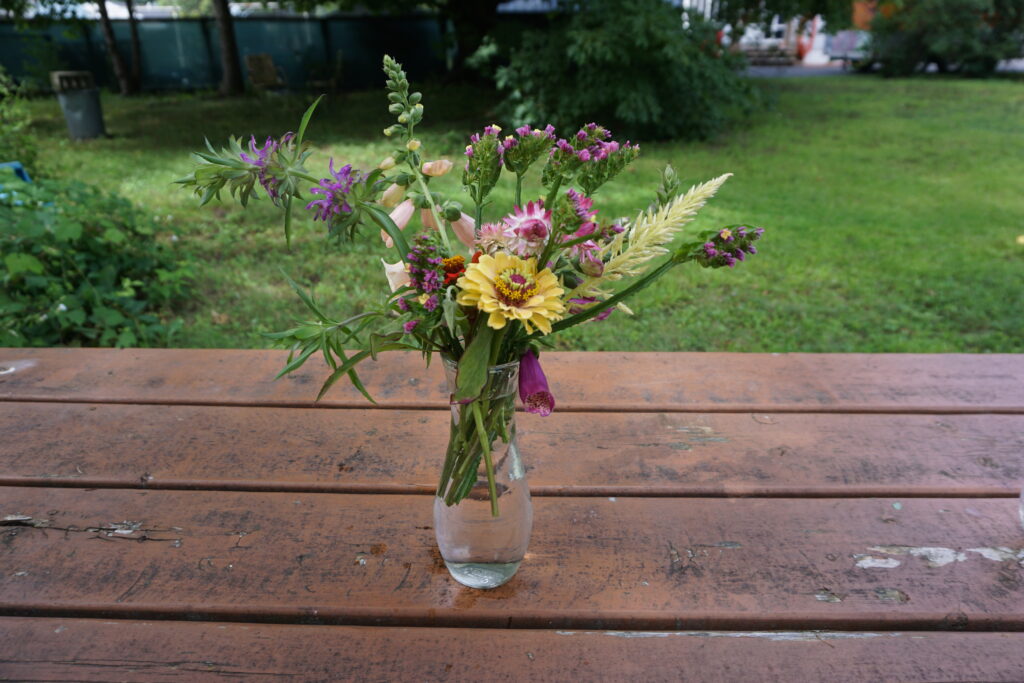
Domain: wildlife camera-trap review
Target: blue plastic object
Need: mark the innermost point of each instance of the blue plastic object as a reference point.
(18, 169)
(20, 173)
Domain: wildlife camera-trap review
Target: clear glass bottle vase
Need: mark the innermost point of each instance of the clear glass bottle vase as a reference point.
(482, 511)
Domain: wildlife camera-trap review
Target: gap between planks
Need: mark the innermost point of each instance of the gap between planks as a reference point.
(548, 620)
(548, 491)
(587, 408)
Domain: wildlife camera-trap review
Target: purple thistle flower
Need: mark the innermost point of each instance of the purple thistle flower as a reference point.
(259, 157)
(335, 192)
(409, 326)
(533, 386)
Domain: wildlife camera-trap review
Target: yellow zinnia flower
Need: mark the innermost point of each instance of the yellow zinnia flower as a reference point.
(509, 288)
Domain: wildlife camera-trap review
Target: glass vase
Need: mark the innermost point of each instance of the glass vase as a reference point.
(482, 510)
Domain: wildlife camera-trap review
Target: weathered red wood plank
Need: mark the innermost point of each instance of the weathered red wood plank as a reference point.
(628, 563)
(657, 382)
(97, 650)
(399, 451)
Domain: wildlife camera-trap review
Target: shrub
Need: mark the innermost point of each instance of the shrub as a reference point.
(81, 267)
(964, 36)
(16, 143)
(641, 65)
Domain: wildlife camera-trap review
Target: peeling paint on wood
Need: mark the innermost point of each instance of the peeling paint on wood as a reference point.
(869, 562)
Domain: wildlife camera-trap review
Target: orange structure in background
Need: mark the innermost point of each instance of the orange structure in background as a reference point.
(863, 13)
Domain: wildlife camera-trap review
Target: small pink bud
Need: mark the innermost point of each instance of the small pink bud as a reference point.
(427, 218)
(392, 195)
(437, 168)
(387, 164)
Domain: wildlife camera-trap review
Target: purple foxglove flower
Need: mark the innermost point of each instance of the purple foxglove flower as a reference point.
(533, 386)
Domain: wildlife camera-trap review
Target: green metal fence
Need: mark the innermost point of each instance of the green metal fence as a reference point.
(184, 53)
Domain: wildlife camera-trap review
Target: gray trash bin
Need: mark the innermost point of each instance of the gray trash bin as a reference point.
(80, 101)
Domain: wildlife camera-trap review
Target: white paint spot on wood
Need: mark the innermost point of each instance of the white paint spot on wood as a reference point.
(897, 506)
(934, 556)
(1000, 554)
(869, 562)
(827, 596)
(612, 499)
(17, 518)
(694, 429)
(125, 528)
(9, 367)
(60, 629)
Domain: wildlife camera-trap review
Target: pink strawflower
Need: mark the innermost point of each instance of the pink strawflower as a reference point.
(493, 237)
(530, 228)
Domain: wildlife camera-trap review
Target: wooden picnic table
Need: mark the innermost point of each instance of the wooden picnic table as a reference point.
(698, 516)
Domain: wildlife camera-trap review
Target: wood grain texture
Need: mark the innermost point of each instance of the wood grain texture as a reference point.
(97, 650)
(589, 381)
(400, 451)
(628, 563)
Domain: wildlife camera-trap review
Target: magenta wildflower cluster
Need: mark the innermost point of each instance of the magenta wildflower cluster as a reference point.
(729, 246)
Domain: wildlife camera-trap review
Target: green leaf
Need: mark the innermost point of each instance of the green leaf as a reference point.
(305, 120)
(298, 361)
(388, 226)
(107, 316)
(126, 338)
(287, 223)
(472, 374)
(306, 298)
(449, 307)
(343, 369)
(23, 263)
(114, 236)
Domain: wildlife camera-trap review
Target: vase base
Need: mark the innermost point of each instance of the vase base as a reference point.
(480, 574)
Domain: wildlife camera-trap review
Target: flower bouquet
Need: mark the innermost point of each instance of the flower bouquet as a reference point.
(486, 296)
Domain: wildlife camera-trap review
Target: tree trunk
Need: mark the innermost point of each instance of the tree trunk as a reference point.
(231, 83)
(135, 75)
(120, 73)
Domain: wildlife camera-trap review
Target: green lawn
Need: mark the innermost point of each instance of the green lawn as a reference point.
(893, 210)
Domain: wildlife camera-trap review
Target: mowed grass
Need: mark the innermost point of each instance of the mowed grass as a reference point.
(892, 207)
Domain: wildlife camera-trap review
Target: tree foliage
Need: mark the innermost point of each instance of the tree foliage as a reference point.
(642, 65)
(964, 36)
